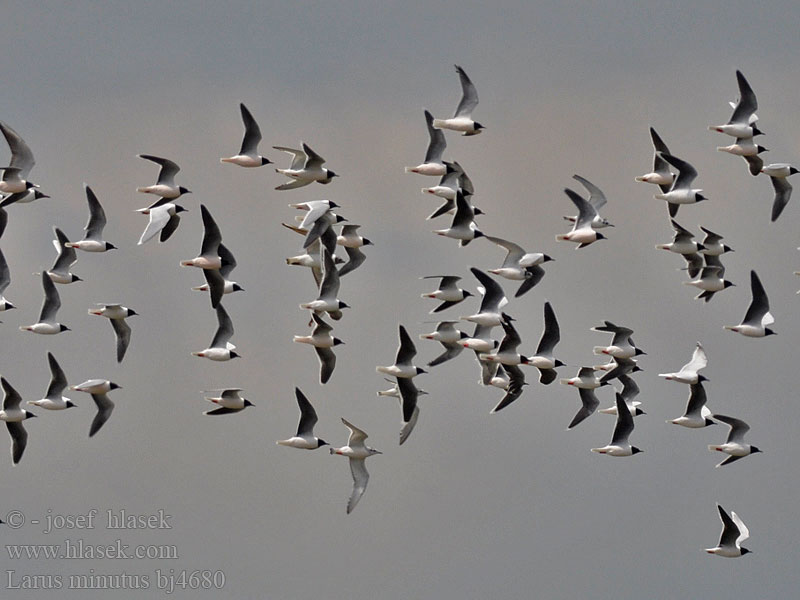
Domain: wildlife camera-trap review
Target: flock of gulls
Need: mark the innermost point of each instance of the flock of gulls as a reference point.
(500, 364)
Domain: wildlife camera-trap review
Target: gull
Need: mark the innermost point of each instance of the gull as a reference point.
(117, 313)
(682, 241)
(749, 151)
(47, 323)
(20, 164)
(352, 242)
(621, 366)
(165, 186)
(54, 399)
(306, 168)
(620, 446)
(778, 172)
(584, 380)
(229, 401)
(248, 154)
(519, 265)
(681, 191)
(164, 219)
(217, 280)
(660, 175)
(712, 244)
(710, 282)
(734, 532)
(735, 445)
(494, 299)
(209, 250)
(741, 124)
(757, 316)
(448, 292)
(697, 414)
(543, 359)
(93, 239)
(462, 118)
(305, 438)
(323, 342)
(327, 300)
(60, 271)
(621, 345)
(449, 337)
(582, 232)
(402, 366)
(448, 184)
(463, 227)
(433, 164)
(13, 415)
(98, 388)
(221, 348)
(513, 386)
(629, 391)
(357, 451)
(597, 200)
(689, 372)
(5, 281)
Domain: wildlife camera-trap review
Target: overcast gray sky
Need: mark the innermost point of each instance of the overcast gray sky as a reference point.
(473, 505)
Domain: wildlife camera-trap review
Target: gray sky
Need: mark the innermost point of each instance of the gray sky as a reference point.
(473, 504)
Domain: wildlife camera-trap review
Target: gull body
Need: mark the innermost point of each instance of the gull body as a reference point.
(47, 323)
(463, 226)
(742, 123)
(620, 445)
(98, 388)
(597, 200)
(689, 372)
(778, 172)
(494, 299)
(681, 191)
(448, 292)
(164, 220)
(209, 250)
(117, 314)
(697, 414)
(60, 271)
(757, 318)
(582, 232)
(93, 239)
(229, 401)
(221, 348)
(735, 446)
(660, 175)
(402, 366)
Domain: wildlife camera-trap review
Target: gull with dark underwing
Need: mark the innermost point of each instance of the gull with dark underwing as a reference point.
(433, 164)
(660, 175)
(229, 401)
(620, 445)
(327, 300)
(13, 416)
(757, 318)
(494, 299)
(5, 281)
(681, 191)
(221, 349)
(734, 532)
(93, 238)
(597, 200)
(697, 414)
(463, 227)
(54, 398)
(402, 366)
(218, 282)
(735, 446)
(582, 232)
(449, 337)
(741, 125)
(165, 186)
(209, 250)
(248, 154)
(448, 292)
(15, 183)
(60, 271)
(47, 323)
(304, 439)
(99, 389)
(778, 174)
(164, 220)
(116, 313)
